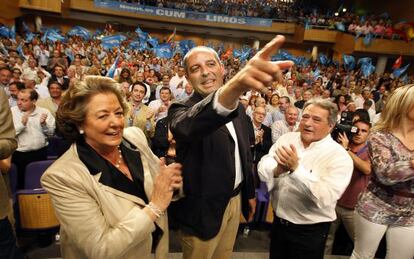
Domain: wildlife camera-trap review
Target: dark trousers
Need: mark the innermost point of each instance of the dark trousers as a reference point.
(293, 241)
(8, 248)
(22, 159)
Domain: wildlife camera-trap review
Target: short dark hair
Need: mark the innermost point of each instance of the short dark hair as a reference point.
(19, 85)
(165, 88)
(33, 95)
(286, 98)
(53, 82)
(139, 83)
(363, 114)
(362, 121)
(5, 68)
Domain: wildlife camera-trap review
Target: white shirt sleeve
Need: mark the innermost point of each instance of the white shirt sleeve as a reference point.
(221, 110)
(325, 187)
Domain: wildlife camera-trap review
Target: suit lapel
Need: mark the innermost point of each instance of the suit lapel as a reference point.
(118, 193)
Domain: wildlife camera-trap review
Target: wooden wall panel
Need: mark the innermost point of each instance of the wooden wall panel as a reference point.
(9, 11)
(320, 35)
(42, 5)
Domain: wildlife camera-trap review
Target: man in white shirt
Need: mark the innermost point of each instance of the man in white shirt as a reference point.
(160, 106)
(42, 54)
(306, 172)
(188, 91)
(284, 103)
(30, 83)
(14, 89)
(289, 124)
(33, 125)
(178, 81)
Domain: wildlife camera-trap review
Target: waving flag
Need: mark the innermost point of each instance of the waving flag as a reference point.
(172, 36)
(4, 32)
(349, 62)
(163, 51)
(52, 34)
(110, 42)
(143, 36)
(153, 42)
(397, 63)
(367, 69)
(366, 60)
(80, 31)
(368, 39)
(400, 71)
(138, 45)
(323, 59)
(111, 71)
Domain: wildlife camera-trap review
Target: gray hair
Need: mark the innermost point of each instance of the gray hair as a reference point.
(199, 48)
(326, 105)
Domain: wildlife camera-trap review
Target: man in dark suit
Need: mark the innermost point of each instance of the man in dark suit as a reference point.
(263, 138)
(59, 76)
(212, 134)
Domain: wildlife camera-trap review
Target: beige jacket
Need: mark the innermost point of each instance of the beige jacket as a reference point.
(48, 104)
(98, 221)
(8, 144)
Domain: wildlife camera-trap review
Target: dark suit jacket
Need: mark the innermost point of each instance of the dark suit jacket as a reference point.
(261, 149)
(206, 150)
(160, 142)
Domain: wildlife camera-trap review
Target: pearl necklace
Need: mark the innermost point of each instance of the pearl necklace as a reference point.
(118, 163)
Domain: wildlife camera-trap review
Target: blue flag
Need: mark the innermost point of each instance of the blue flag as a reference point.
(340, 26)
(52, 34)
(80, 31)
(143, 36)
(186, 45)
(367, 69)
(366, 60)
(368, 39)
(29, 36)
(4, 32)
(26, 28)
(400, 71)
(13, 32)
(349, 62)
(323, 59)
(110, 42)
(97, 33)
(112, 69)
(19, 50)
(163, 51)
(153, 42)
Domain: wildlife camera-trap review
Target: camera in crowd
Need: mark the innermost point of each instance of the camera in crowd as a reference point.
(344, 125)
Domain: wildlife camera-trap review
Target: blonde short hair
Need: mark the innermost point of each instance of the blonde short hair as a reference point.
(399, 103)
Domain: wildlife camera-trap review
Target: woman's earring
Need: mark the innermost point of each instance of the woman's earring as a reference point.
(81, 131)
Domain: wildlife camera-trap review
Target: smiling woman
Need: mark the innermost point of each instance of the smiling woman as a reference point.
(109, 190)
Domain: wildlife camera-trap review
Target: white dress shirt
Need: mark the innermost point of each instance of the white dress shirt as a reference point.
(281, 127)
(309, 194)
(223, 111)
(175, 81)
(32, 136)
(154, 106)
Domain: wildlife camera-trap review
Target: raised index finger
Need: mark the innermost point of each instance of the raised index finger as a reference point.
(271, 47)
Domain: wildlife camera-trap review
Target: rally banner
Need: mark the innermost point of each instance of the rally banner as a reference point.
(175, 13)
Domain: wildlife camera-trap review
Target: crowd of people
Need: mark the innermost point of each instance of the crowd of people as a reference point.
(264, 9)
(379, 25)
(284, 120)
